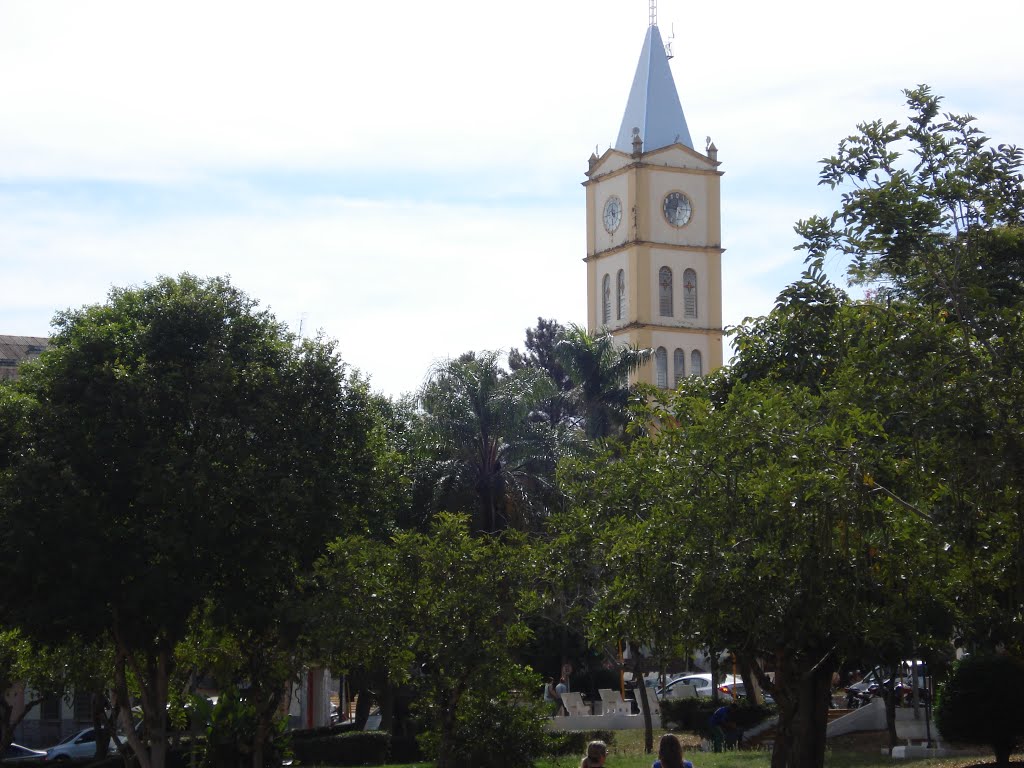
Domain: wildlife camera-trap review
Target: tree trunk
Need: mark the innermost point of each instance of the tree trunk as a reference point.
(890, 696)
(98, 710)
(637, 668)
(751, 682)
(446, 742)
(801, 691)
(386, 702)
(363, 701)
(9, 721)
(715, 674)
(648, 725)
(446, 745)
(152, 681)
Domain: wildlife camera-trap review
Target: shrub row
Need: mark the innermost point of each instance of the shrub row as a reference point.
(693, 714)
(331, 746)
(575, 742)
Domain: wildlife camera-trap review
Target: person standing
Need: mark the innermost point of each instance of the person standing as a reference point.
(562, 687)
(551, 697)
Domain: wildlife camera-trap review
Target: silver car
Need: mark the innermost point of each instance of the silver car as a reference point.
(80, 746)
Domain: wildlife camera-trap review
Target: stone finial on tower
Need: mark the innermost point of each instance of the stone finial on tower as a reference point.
(638, 143)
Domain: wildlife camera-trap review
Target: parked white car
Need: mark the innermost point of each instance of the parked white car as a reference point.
(80, 746)
(700, 683)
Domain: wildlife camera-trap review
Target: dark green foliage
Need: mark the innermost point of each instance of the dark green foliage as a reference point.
(693, 714)
(324, 747)
(482, 453)
(981, 704)
(574, 742)
(232, 726)
(178, 452)
(686, 714)
(558, 408)
(444, 613)
(498, 732)
(600, 371)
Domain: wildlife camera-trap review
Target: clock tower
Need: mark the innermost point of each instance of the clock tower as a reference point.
(654, 234)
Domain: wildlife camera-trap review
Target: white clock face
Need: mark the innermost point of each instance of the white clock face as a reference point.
(612, 214)
(677, 209)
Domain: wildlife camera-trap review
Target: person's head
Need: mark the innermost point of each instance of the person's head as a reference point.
(597, 751)
(670, 751)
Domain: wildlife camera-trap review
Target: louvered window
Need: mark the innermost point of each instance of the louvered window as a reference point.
(620, 295)
(661, 366)
(49, 708)
(665, 292)
(606, 300)
(696, 364)
(679, 364)
(689, 293)
(83, 707)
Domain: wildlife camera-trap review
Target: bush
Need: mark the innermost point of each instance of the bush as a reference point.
(503, 730)
(231, 727)
(693, 714)
(334, 746)
(574, 742)
(686, 714)
(981, 704)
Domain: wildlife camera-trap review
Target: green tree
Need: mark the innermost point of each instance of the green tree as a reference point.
(599, 369)
(748, 524)
(28, 676)
(445, 612)
(485, 454)
(182, 450)
(931, 221)
(541, 352)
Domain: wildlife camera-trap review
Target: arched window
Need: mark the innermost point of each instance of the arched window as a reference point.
(620, 295)
(679, 364)
(689, 293)
(606, 300)
(665, 292)
(661, 367)
(696, 365)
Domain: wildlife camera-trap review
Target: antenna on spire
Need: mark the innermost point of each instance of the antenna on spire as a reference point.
(653, 5)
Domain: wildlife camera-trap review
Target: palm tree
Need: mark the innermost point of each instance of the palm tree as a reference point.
(486, 454)
(600, 369)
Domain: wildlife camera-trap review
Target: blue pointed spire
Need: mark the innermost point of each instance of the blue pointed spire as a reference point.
(653, 104)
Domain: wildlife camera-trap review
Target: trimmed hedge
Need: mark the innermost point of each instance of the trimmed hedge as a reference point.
(330, 746)
(693, 714)
(575, 742)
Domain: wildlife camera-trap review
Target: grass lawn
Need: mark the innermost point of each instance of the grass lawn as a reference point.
(857, 751)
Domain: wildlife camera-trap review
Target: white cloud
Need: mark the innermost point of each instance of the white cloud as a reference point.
(407, 176)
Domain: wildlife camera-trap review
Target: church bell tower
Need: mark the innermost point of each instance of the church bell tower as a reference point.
(654, 270)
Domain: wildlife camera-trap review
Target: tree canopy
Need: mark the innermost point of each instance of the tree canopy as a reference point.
(180, 449)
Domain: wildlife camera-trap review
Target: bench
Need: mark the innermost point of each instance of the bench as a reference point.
(612, 703)
(574, 704)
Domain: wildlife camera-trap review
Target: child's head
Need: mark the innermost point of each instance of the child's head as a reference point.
(597, 751)
(670, 751)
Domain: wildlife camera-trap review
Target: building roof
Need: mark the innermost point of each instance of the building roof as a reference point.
(653, 106)
(14, 350)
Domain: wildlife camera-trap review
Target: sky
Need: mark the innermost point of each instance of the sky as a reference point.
(405, 177)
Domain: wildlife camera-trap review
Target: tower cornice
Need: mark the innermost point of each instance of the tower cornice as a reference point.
(712, 248)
